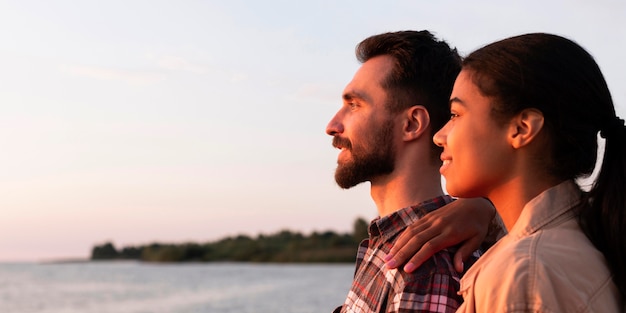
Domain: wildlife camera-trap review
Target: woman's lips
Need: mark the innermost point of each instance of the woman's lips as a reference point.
(444, 165)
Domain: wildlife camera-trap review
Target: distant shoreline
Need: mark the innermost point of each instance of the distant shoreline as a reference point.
(282, 247)
(64, 260)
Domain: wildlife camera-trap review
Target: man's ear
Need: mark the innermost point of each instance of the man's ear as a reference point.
(525, 127)
(416, 122)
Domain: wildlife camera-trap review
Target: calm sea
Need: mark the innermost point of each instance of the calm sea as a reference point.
(131, 287)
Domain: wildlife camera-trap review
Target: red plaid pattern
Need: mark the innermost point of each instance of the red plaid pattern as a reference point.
(432, 287)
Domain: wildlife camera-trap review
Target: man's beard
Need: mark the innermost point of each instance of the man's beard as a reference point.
(374, 159)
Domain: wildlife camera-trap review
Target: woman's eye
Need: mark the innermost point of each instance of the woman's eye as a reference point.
(453, 116)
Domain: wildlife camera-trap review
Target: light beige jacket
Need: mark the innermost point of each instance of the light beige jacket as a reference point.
(545, 264)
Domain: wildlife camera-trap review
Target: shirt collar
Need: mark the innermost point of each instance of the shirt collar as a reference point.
(392, 224)
(548, 207)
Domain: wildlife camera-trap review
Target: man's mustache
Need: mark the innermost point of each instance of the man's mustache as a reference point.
(339, 143)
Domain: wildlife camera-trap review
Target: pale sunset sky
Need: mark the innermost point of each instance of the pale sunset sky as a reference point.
(171, 121)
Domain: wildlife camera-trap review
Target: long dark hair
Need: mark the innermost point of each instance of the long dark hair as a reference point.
(558, 77)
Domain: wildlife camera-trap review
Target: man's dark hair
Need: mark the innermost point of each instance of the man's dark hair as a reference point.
(424, 72)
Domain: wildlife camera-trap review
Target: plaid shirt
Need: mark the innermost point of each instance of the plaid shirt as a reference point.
(432, 287)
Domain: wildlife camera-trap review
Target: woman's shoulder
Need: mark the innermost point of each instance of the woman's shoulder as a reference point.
(556, 267)
(564, 247)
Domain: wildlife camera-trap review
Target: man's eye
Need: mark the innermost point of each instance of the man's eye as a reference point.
(453, 116)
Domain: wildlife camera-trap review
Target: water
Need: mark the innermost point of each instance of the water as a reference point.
(132, 287)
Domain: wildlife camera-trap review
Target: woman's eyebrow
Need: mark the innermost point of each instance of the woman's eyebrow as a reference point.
(457, 100)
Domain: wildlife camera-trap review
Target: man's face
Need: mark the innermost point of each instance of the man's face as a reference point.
(363, 129)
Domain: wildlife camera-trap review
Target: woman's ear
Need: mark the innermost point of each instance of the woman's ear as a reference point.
(416, 122)
(525, 127)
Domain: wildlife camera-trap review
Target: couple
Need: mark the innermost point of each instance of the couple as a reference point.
(515, 122)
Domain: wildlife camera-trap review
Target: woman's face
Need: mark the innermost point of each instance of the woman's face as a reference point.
(476, 155)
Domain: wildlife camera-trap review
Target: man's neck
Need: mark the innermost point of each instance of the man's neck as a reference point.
(394, 192)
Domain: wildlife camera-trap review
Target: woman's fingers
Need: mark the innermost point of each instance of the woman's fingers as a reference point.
(464, 222)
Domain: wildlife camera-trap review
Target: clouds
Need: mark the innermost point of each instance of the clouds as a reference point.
(176, 63)
(209, 115)
(157, 70)
(132, 77)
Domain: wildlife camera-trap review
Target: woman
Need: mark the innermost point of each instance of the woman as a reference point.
(525, 114)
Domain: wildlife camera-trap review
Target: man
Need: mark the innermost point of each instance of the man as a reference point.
(392, 107)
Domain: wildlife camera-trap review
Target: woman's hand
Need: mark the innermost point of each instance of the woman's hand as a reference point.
(465, 221)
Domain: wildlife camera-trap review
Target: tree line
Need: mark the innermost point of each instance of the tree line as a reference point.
(282, 247)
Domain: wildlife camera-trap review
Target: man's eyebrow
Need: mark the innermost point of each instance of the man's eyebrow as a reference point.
(354, 95)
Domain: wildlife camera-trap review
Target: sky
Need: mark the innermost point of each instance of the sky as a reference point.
(145, 121)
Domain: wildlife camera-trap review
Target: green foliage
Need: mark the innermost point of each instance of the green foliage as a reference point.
(283, 246)
(131, 253)
(361, 229)
(104, 252)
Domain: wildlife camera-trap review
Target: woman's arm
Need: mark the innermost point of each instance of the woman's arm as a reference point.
(472, 223)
